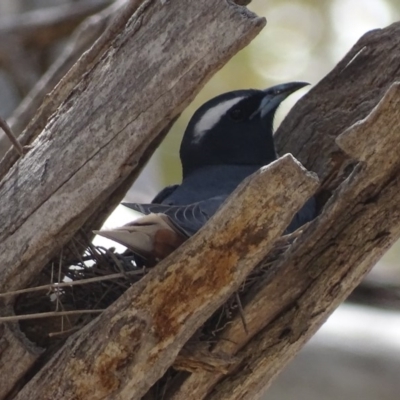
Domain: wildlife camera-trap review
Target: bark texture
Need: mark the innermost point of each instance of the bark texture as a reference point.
(355, 228)
(346, 95)
(110, 117)
(345, 129)
(91, 136)
(121, 354)
(358, 225)
(81, 40)
(18, 351)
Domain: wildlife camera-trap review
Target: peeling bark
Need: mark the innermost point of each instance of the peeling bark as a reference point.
(112, 114)
(97, 128)
(365, 225)
(358, 225)
(121, 354)
(335, 130)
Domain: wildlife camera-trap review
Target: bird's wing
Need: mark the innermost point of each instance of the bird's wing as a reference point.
(166, 192)
(163, 228)
(187, 219)
(151, 236)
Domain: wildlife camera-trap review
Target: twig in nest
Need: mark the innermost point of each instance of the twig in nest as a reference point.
(64, 333)
(53, 286)
(241, 313)
(48, 315)
(15, 142)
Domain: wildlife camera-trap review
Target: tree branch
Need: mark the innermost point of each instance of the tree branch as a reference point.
(38, 29)
(363, 233)
(346, 95)
(332, 256)
(42, 27)
(99, 125)
(82, 39)
(19, 352)
(139, 336)
(84, 36)
(10, 135)
(100, 149)
(123, 352)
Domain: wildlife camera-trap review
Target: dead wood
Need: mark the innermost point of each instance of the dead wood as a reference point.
(80, 41)
(346, 95)
(356, 227)
(24, 35)
(93, 133)
(84, 36)
(129, 105)
(44, 26)
(140, 335)
(11, 137)
(19, 352)
(351, 235)
(359, 164)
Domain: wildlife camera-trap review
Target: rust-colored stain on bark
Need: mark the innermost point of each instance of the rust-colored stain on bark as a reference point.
(99, 381)
(100, 377)
(186, 292)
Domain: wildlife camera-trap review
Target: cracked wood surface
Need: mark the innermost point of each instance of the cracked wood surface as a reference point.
(346, 95)
(100, 124)
(326, 111)
(121, 354)
(17, 351)
(99, 134)
(358, 225)
(124, 11)
(363, 206)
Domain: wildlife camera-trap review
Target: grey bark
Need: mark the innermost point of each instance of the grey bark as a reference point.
(111, 115)
(358, 163)
(355, 228)
(358, 225)
(121, 354)
(35, 30)
(18, 352)
(91, 135)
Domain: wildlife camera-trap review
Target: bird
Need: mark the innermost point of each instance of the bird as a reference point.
(227, 139)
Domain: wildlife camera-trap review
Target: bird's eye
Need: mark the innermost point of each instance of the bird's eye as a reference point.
(237, 114)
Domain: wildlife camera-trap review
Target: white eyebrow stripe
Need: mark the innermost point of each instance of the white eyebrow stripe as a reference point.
(212, 116)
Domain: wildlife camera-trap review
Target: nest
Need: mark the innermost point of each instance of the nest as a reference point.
(85, 279)
(73, 289)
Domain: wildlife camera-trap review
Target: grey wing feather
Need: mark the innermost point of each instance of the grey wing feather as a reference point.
(187, 219)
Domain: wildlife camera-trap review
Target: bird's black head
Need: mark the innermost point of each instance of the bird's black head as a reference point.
(235, 128)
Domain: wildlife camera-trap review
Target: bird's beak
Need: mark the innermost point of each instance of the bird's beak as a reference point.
(275, 95)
